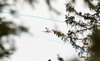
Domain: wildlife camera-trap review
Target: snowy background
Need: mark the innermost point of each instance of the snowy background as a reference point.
(40, 46)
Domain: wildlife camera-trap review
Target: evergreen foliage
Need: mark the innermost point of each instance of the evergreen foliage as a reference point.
(87, 22)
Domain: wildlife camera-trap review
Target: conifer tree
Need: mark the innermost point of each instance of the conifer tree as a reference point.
(85, 25)
(8, 28)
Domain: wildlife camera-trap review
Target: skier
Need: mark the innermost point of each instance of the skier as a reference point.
(47, 30)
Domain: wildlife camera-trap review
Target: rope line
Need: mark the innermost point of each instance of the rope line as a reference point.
(85, 51)
(33, 16)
